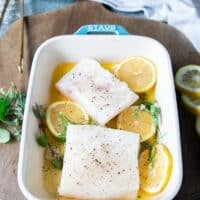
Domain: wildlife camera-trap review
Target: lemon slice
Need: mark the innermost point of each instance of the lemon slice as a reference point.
(60, 113)
(155, 175)
(138, 72)
(198, 125)
(187, 80)
(133, 119)
(192, 104)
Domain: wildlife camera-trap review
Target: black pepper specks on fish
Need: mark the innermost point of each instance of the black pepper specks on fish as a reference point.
(101, 161)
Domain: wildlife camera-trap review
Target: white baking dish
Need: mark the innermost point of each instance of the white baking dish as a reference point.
(72, 48)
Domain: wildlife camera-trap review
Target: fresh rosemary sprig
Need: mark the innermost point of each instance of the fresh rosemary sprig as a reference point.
(42, 139)
(12, 104)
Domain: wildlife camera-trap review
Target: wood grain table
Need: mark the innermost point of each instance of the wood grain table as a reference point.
(40, 27)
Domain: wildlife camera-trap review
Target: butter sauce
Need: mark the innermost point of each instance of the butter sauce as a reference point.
(52, 175)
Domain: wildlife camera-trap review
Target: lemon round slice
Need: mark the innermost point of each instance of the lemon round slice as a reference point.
(155, 175)
(61, 113)
(135, 120)
(187, 80)
(192, 104)
(138, 72)
(198, 125)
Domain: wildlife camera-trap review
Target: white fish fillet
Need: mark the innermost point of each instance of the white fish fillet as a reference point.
(101, 94)
(100, 163)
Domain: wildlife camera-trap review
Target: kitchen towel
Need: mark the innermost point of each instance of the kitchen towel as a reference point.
(182, 14)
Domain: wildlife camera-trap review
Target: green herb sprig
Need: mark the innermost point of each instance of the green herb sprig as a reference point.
(12, 103)
(64, 124)
(55, 158)
(136, 113)
(151, 153)
(155, 111)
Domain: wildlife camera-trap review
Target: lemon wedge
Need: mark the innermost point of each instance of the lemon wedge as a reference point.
(198, 125)
(187, 80)
(138, 72)
(60, 113)
(133, 119)
(155, 176)
(191, 103)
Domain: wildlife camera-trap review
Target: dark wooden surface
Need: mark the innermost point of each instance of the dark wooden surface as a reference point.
(40, 27)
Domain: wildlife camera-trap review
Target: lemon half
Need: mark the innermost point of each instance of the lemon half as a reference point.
(191, 103)
(198, 125)
(138, 72)
(133, 119)
(155, 176)
(187, 80)
(60, 113)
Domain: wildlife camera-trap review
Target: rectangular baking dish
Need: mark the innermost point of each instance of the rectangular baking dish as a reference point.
(115, 46)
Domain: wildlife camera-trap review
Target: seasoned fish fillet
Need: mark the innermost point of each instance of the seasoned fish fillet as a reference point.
(100, 163)
(101, 94)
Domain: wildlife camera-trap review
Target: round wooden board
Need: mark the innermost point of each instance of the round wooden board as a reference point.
(40, 27)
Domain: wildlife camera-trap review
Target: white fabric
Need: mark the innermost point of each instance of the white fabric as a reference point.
(181, 14)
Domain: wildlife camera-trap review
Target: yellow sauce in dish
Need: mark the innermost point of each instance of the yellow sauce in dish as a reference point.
(52, 175)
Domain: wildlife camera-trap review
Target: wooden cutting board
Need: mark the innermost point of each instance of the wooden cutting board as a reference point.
(40, 27)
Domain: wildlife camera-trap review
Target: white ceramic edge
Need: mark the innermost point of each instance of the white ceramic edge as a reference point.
(180, 161)
(23, 188)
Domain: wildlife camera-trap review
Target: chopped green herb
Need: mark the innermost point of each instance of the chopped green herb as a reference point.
(155, 113)
(152, 155)
(154, 109)
(42, 140)
(143, 107)
(151, 152)
(136, 114)
(57, 163)
(64, 123)
(4, 135)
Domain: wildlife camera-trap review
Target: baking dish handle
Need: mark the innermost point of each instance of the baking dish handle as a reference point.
(101, 29)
